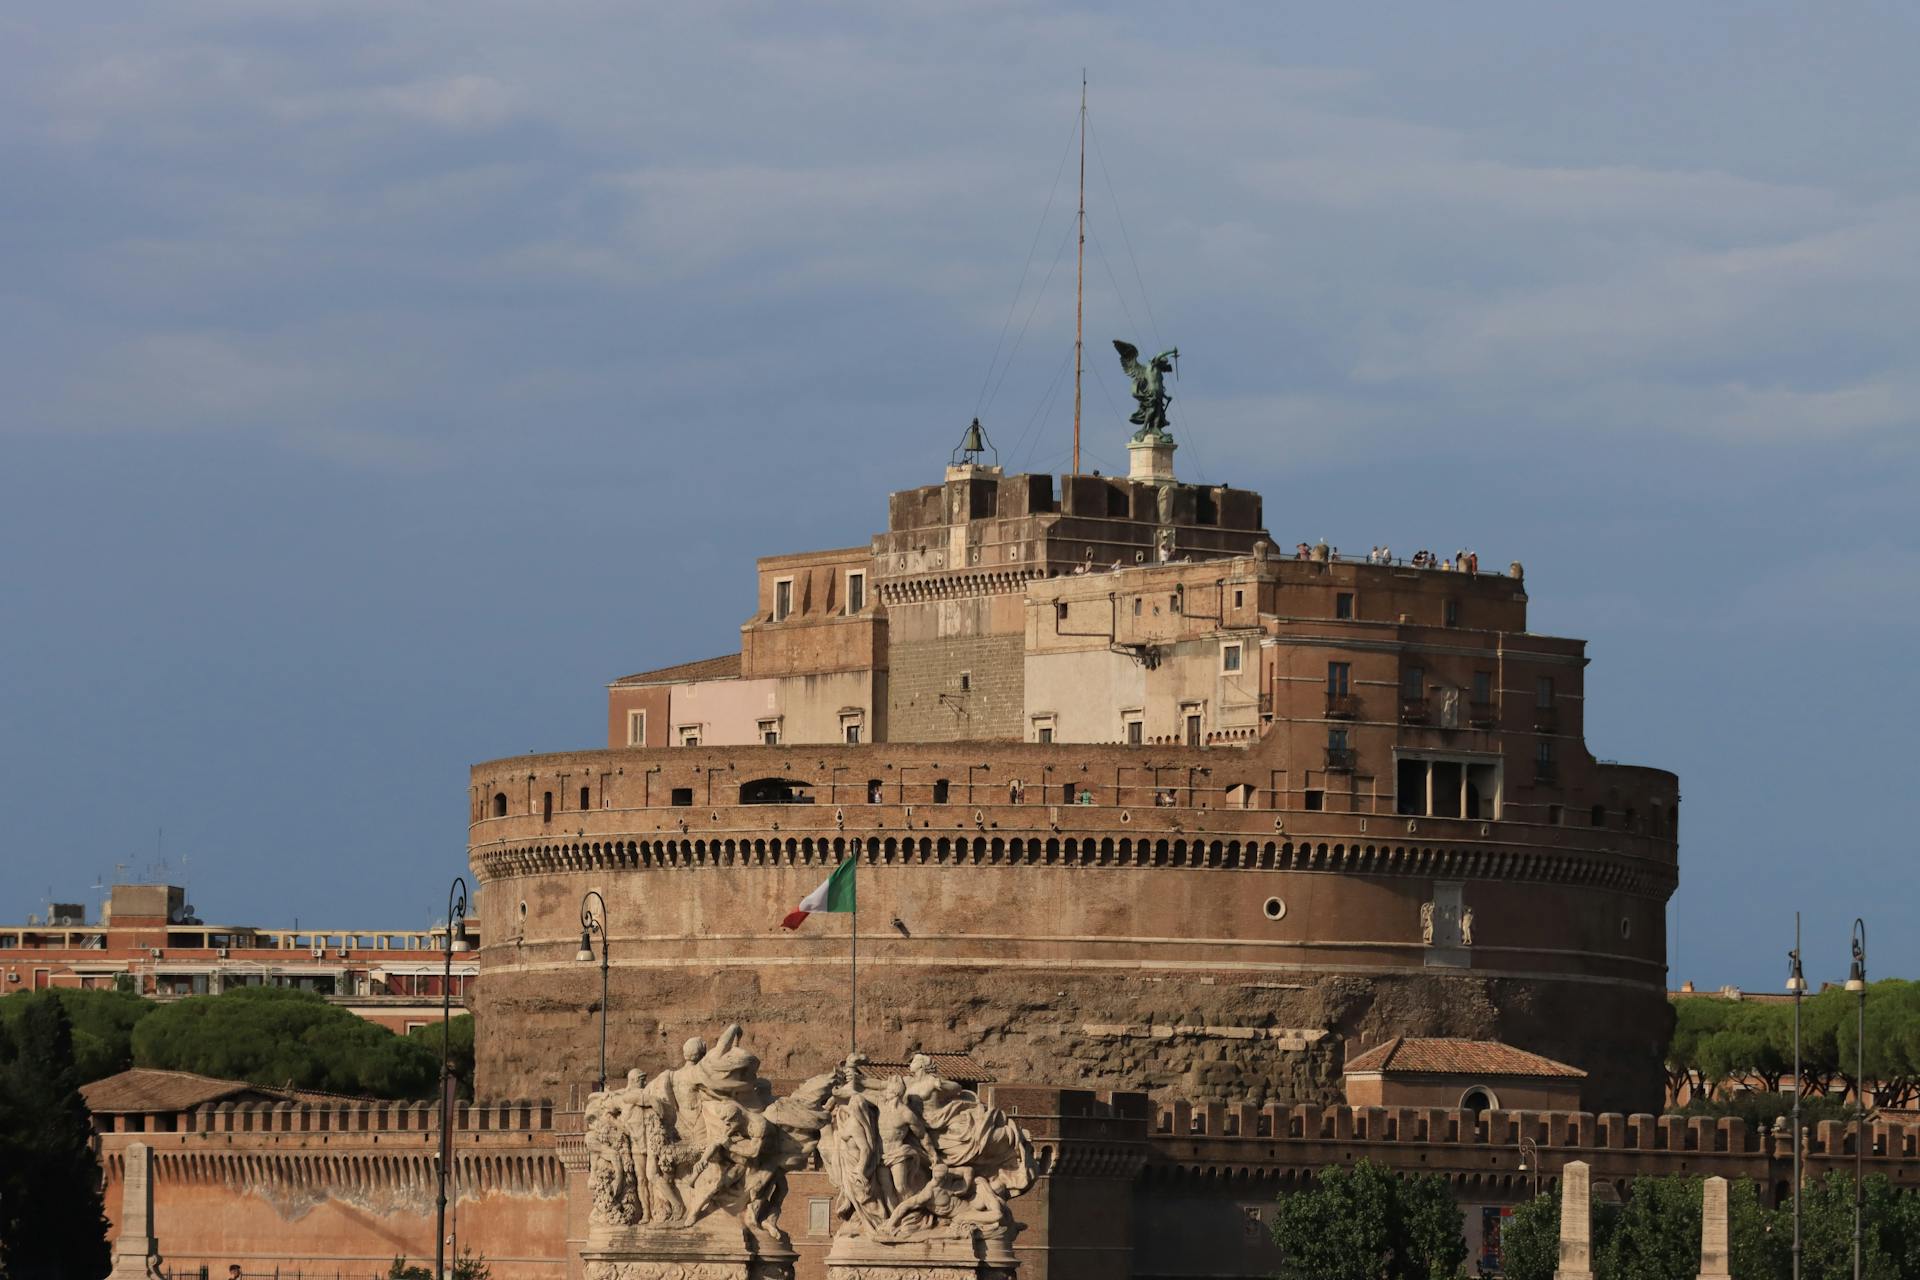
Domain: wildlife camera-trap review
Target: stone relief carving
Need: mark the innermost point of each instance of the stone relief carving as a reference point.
(702, 1138)
(1426, 923)
(1466, 926)
(922, 1159)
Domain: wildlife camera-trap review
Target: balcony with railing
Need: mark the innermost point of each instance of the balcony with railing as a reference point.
(1414, 710)
(1545, 720)
(1480, 715)
(1342, 706)
(1340, 759)
(1545, 772)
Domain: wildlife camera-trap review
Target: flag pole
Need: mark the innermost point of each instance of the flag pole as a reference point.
(853, 987)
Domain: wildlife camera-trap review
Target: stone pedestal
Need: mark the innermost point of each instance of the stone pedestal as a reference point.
(1576, 1222)
(947, 1258)
(1150, 458)
(136, 1256)
(1714, 1253)
(718, 1248)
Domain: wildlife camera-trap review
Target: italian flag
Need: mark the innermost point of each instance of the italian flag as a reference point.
(835, 893)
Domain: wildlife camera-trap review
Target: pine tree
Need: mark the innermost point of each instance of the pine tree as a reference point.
(53, 1225)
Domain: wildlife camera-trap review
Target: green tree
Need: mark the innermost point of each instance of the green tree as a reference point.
(1530, 1239)
(284, 1038)
(1695, 1021)
(460, 1045)
(1657, 1234)
(1368, 1223)
(52, 1220)
(102, 1023)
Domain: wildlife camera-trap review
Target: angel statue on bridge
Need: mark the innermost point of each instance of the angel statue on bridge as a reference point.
(1149, 388)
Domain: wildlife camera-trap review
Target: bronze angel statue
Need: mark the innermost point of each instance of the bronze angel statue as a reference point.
(1149, 387)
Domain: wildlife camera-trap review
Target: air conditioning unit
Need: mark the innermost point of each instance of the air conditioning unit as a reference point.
(221, 952)
(155, 952)
(319, 953)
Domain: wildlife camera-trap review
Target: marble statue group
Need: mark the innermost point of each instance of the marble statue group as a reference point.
(913, 1158)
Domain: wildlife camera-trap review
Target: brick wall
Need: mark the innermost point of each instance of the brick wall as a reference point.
(993, 706)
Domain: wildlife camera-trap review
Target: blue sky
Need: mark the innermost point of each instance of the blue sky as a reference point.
(384, 379)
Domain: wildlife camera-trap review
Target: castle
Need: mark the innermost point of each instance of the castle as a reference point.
(1140, 801)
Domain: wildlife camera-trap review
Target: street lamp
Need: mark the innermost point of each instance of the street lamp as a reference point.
(1797, 984)
(591, 924)
(1530, 1161)
(1857, 983)
(456, 940)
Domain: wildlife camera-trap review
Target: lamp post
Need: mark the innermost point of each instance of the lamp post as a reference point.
(591, 924)
(1797, 984)
(1530, 1161)
(456, 940)
(1857, 983)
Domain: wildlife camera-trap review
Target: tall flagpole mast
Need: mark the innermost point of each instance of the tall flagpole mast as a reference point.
(853, 987)
(1080, 273)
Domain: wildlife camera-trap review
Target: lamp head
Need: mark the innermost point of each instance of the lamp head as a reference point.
(1857, 971)
(585, 954)
(1796, 980)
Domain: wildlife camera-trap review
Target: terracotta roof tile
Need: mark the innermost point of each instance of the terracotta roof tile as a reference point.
(724, 667)
(143, 1089)
(1407, 1055)
(952, 1066)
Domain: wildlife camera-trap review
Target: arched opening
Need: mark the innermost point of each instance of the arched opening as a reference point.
(499, 804)
(774, 791)
(1478, 1099)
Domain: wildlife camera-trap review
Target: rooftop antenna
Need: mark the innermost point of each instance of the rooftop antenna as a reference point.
(1080, 274)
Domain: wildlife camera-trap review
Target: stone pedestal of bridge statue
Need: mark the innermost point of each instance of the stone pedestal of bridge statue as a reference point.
(715, 1248)
(136, 1255)
(1715, 1260)
(1576, 1222)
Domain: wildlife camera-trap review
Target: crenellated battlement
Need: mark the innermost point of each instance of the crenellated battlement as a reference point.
(345, 1116)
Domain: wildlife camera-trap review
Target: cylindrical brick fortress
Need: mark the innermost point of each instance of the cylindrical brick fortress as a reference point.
(1161, 936)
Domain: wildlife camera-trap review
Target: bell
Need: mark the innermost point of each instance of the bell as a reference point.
(973, 443)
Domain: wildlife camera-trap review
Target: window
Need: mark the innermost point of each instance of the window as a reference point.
(682, 797)
(689, 735)
(1450, 613)
(782, 599)
(966, 681)
(499, 804)
(873, 790)
(1046, 734)
(941, 789)
(1337, 740)
(1554, 815)
(1343, 605)
(1483, 686)
(1230, 657)
(1339, 678)
(1136, 730)
(770, 732)
(546, 806)
(1174, 600)
(1043, 728)
(1543, 759)
(852, 732)
(1239, 598)
(1413, 683)
(636, 728)
(1060, 611)
(1598, 817)
(852, 722)
(1315, 801)
(586, 797)
(1136, 606)
(1193, 728)
(856, 590)
(1543, 692)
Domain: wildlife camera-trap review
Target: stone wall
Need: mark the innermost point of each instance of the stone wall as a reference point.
(925, 698)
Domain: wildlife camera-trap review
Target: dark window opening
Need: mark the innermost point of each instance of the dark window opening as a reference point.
(1205, 509)
(1446, 788)
(1599, 817)
(1483, 686)
(1410, 787)
(1627, 819)
(1134, 731)
(873, 791)
(774, 791)
(782, 601)
(1173, 601)
(1554, 815)
(1476, 1101)
(1343, 605)
(586, 797)
(1543, 692)
(966, 681)
(1239, 598)
(1045, 734)
(1060, 611)
(853, 735)
(1069, 793)
(1474, 803)
(1339, 677)
(1193, 729)
(1413, 683)
(1315, 801)
(499, 804)
(941, 789)
(1450, 613)
(1337, 740)
(546, 806)
(682, 797)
